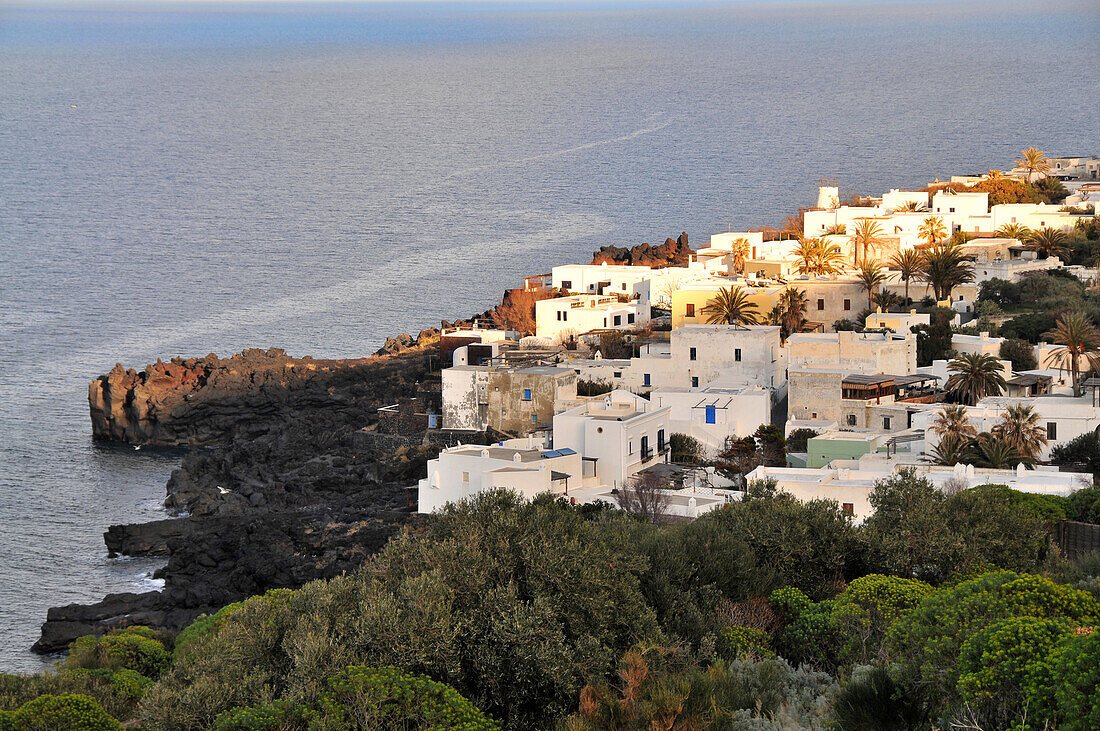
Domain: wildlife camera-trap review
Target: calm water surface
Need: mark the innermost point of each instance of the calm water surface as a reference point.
(183, 181)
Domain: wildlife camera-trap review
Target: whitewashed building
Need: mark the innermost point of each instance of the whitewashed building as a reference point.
(558, 318)
(850, 482)
(616, 436)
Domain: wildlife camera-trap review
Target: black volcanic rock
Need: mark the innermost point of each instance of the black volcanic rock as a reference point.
(291, 483)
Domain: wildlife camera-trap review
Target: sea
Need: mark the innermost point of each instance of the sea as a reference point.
(180, 179)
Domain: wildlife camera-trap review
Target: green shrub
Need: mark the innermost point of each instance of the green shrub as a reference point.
(1073, 688)
(277, 716)
(871, 701)
(1001, 661)
(116, 696)
(515, 604)
(849, 629)
(926, 643)
(122, 649)
(744, 643)
(369, 698)
(790, 602)
(206, 624)
(69, 712)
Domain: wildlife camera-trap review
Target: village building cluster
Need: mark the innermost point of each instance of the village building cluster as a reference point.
(623, 361)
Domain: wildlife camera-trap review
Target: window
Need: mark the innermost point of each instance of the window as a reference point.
(618, 320)
(1052, 430)
(847, 305)
(645, 379)
(465, 476)
(630, 447)
(645, 447)
(534, 418)
(950, 210)
(813, 415)
(624, 286)
(737, 354)
(567, 284)
(559, 315)
(630, 319)
(851, 419)
(526, 394)
(689, 311)
(712, 415)
(691, 353)
(605, 322)
(1013, 219)
(565, 316)
(661, 440)
(821, 304)
(617, 374)
(886, 422)
(848, 508)
(695, 381)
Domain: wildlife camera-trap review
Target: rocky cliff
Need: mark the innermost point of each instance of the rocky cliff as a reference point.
(291, 484)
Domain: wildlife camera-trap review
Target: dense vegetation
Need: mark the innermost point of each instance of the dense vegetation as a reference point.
(769, 614)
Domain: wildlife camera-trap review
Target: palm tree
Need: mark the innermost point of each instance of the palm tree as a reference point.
(886, 299)
(817, 257)
(953, 421)
(868, 235)
(791, 313)
(909, 263)
(1077, 338)
(871, 277)
(1048, 241)
(1019, 428)
(827, 259)
(995, 453)
(731, 306)
(1016, 231)
(838, 229)
(946, 267)
(974, 376)
(1033, 162)
(910, 207)
(805, 252)
(995, 175)
(932, 229)
(953, 449)
(740, 250)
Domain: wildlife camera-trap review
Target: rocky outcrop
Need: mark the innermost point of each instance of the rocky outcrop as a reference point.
(286, 489)
(212, 401)
(673, 252)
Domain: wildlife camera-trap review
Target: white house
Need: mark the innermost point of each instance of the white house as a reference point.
(1063, 416)
(895, 199)
(560, 317)
(1034, 215)
(616, 436)
(958, 207)
(712, 413)
(698, 355)
(866, 352)
(850, 482)
(899, 322)
(467, 470)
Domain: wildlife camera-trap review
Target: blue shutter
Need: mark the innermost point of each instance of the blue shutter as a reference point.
(711, 415)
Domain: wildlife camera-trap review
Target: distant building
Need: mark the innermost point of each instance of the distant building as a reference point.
(711, 414)
(510, 400)
(467, 470)
(558, 318)
(850, 483)
(617, 436)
